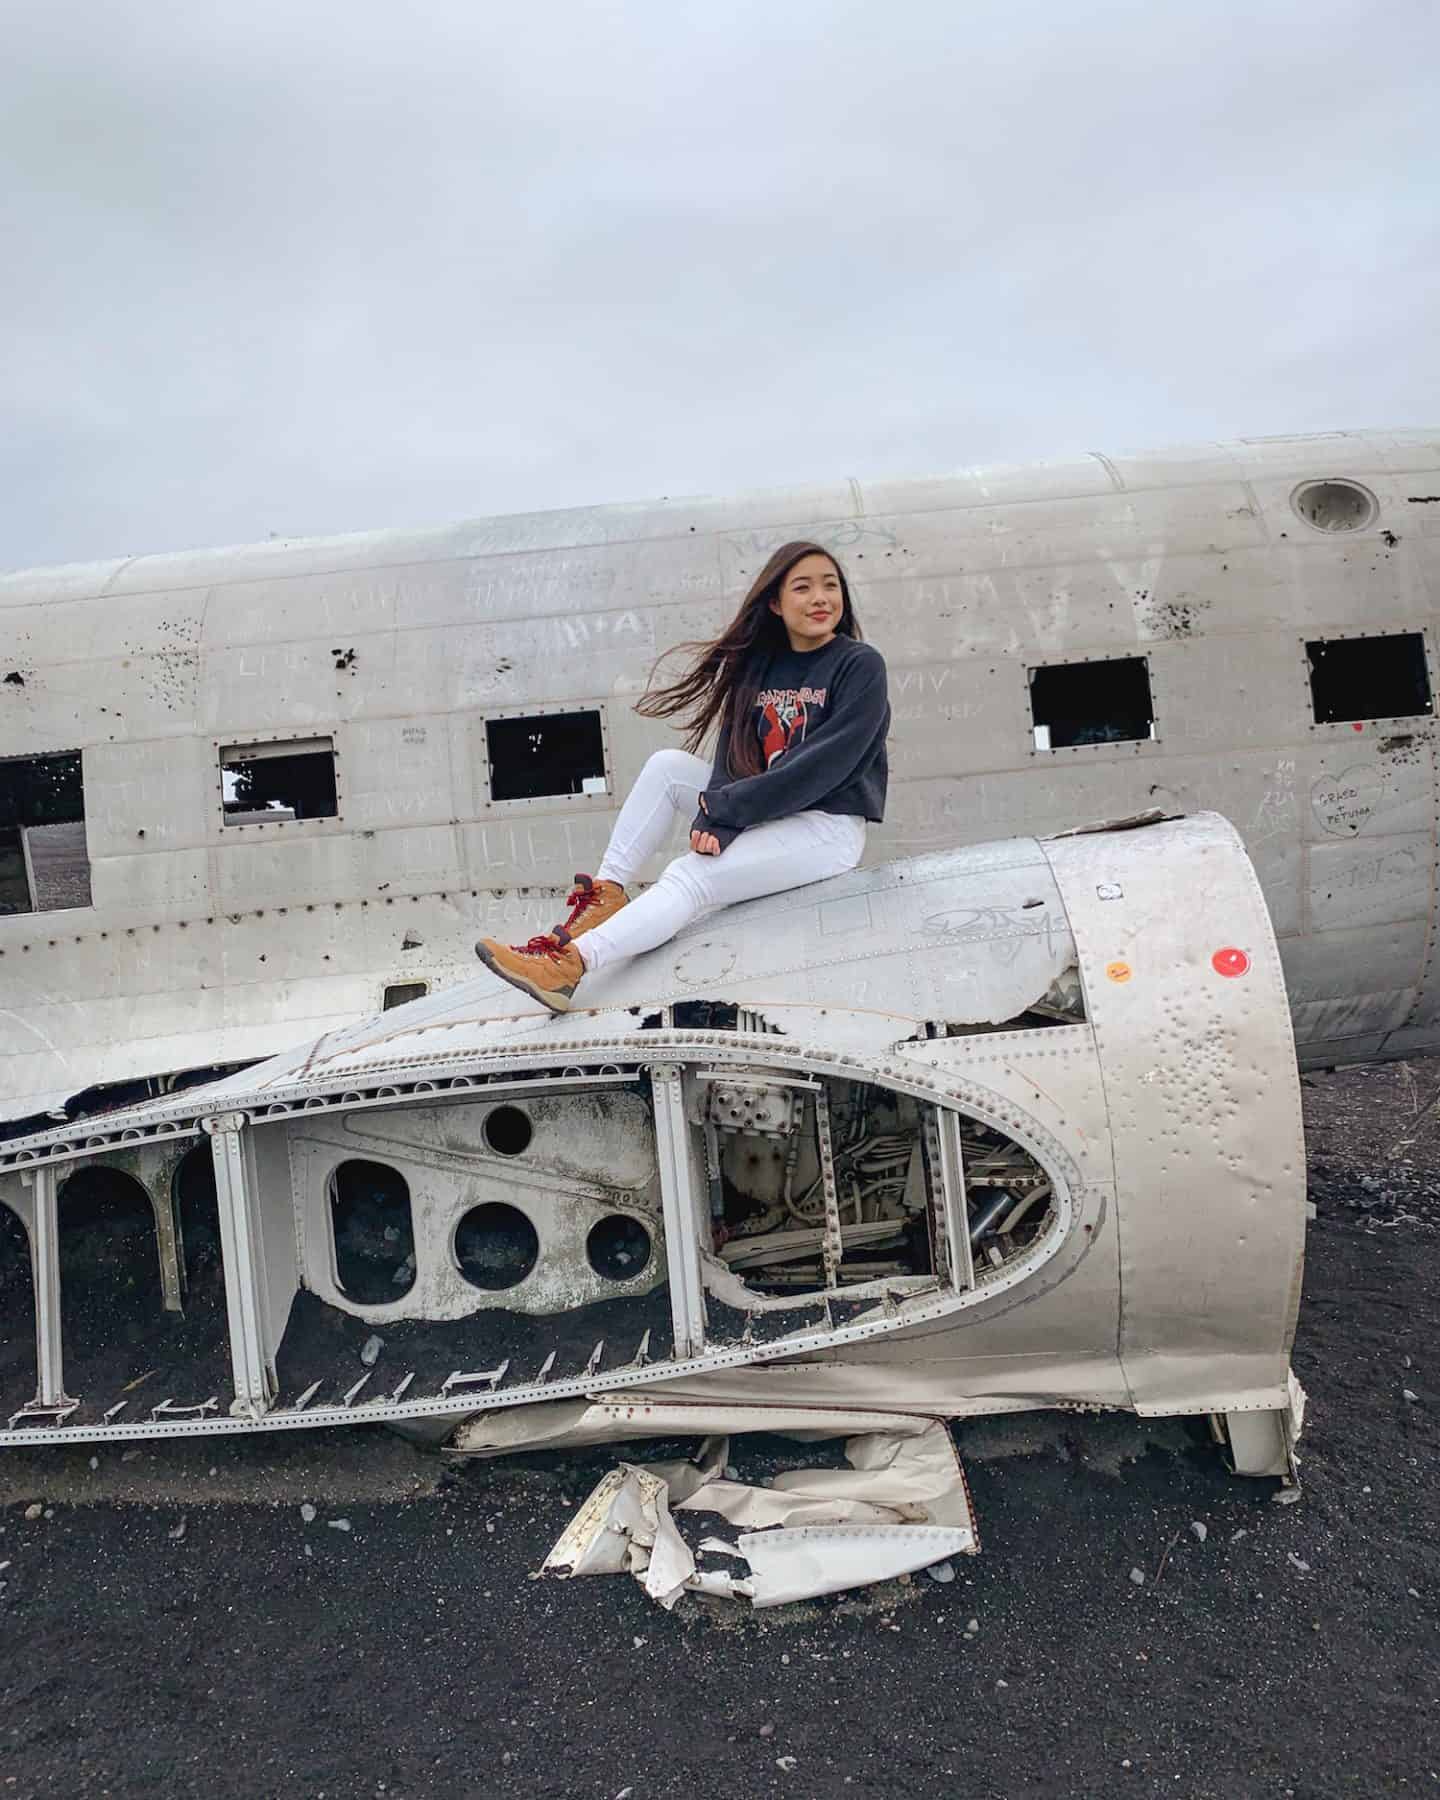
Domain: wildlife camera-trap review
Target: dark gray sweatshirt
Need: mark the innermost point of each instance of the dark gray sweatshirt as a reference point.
(822, 718)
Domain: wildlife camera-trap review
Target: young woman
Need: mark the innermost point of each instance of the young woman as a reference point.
(799, 767)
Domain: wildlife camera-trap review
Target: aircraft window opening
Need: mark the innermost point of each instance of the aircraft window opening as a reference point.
(1354, 678)
(508, 1131)
(278, 783)
(544, 754)
(401, 993)
(1335, 505)
(44, 860)
(496, 1246)
(618, 1248)
(1103, 702)
(372, 1231)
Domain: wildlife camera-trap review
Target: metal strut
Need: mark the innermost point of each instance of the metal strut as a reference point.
(834, 1244)
(945, 1169)
(51, 1405)
(678, 1198)
(242, 1256)
(49, 1351)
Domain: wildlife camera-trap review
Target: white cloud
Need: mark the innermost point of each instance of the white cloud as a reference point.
(280, 268)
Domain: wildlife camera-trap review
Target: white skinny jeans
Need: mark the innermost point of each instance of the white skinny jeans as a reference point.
(766, 859)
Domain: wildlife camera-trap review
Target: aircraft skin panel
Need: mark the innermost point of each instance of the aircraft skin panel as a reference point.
(565, 1201)
(1285, 458)
(1355, 790)
(1370, 881)
(1405, 452)
(1186, 1031)
(399, 646)
(1376, 961)
(1350, 1016)
(1408, 1040)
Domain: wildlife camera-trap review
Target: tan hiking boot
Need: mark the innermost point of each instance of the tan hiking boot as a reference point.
(546, 969)
(591, 903)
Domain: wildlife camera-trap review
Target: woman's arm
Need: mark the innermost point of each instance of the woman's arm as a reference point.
(854, 725)
(705, 843)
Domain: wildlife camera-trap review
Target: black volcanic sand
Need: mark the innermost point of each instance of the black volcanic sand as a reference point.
(1293, 1653)
(323, 1344)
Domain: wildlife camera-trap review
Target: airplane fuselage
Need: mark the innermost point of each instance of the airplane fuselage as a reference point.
(251, 795)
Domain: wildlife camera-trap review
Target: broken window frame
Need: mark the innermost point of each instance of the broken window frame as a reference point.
(393, 1294)
(600, 797)
(1108, 746)
(267, 746)
(395, 987)
(27, 866)
(1348, 724)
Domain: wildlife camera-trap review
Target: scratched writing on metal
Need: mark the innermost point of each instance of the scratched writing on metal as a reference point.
(844, 536)
(1277, 811)
(1344, 803)
(542, 582)
(1393, 865)
(903, 680)
(1006, 927)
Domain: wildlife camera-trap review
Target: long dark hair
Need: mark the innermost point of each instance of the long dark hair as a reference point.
(724, 679)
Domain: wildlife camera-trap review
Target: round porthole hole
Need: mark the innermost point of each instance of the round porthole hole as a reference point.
(618, 1248)
(1335, 505)
(496, 1246)
(508, 1131)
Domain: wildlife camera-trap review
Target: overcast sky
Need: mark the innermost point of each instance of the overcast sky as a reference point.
(304, 266)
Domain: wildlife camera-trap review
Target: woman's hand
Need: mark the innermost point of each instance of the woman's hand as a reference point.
(704, 843)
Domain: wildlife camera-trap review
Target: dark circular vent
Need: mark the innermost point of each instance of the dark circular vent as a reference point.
(496, 1246)
(508, 1131)
(618, 1248)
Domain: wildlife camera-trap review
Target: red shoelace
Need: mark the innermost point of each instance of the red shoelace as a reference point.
(544, 945)
(579, 900)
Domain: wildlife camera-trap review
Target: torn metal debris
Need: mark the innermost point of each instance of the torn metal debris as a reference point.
(901, 1505)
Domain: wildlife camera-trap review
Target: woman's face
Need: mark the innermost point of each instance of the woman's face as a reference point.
(810, 602)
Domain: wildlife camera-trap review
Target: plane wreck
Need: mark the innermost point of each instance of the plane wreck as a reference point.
(255, 794)
(1010, 1127)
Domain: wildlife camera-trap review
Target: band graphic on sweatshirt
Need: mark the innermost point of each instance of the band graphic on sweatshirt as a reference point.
(784, 716)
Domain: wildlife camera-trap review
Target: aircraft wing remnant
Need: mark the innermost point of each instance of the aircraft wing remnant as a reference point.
(1006, 1127)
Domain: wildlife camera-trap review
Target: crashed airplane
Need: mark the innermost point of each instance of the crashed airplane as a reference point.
(1008, 1127)
(985, 1126)
(251, 795)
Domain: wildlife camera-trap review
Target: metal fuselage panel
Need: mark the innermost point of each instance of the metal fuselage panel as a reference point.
(212, 943)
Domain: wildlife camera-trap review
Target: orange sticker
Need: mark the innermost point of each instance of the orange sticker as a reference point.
(1230, 961)
(1118, 971)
